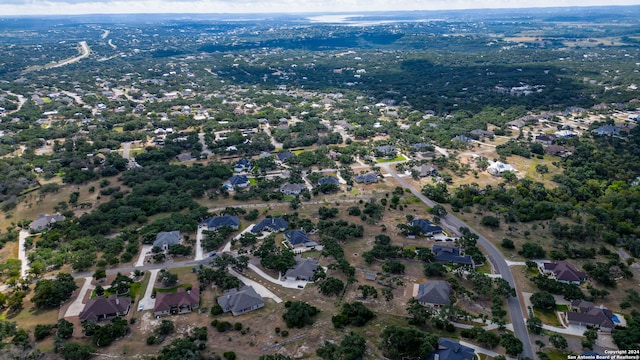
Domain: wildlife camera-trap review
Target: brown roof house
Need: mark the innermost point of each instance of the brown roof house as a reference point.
(434, 293)
(585, 313)
(240, 301)
(180, 302)
(563, 272)
(99, 308)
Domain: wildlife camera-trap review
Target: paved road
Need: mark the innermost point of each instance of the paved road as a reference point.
(496, 258)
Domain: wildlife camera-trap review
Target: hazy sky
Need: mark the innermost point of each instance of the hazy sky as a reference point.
(34, 7)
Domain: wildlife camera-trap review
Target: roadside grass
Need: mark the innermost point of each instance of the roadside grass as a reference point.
(397, 158)
(548, 317)
(555, 354)
(174, 289)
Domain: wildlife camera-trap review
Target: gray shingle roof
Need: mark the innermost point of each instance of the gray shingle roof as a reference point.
(304, 269)
(272, 224)
(451, 350)
(296, 237)
(434, 292)
(167, 238)
(238, 301)
(328, 180)
(44, 221)
(224, 220)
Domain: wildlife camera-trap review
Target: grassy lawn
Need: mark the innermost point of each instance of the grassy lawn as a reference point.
(555, 354)
(485, 268)
(298, 152)
(253, 181)
(397, 158)
(173, 289)
(562, 307)
(548, 317)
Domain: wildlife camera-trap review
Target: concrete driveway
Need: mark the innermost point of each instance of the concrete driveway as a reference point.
(76, 306)
(259, 288)
(147, 302)
(143, 254)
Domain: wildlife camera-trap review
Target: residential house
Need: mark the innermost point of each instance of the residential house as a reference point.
(264, 155)
(224, 220)
(304, 270)
(556, 150)
(276, 224)
(369, 178)
(241, 301)
(242, 165)
(498, 168)
(329, 180)
(165, 239)
(451, 255)
(481, 134)
(563, 272)
(333, 155)
(545, 139)
(421, 147)
(606, 130)
(99, 308)
(518, 123)
(425, 170)
(585, 313)
(44, 221)
(385, 150)
(180, 302)
(461, 138)
(565, 134)
(292, 189)
(434, 294)
(284, 156)
(298, 239)
(428, 229)
(450, 350)
(239, 181)
(184, 157)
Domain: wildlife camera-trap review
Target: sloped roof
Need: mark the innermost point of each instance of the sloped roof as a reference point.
(237, 301)
(181, 298)
(328, 180)
(451, 350)
(285, 155)
(292, 187)
(168, 238)
(224, 220)
(44, 220)
(238, 180)
(425, 225)
(367, 178)
(304, 268)
(296, 237)
(434, 292)
(450, 254)
(275, 224)
(565, 271)
(98, 307)
(597, 315)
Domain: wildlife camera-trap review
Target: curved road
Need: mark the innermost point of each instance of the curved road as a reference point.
(496, 258)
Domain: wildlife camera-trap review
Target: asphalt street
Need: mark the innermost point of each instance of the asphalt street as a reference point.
(496, 258)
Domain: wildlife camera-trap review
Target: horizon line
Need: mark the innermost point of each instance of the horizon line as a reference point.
(323, 12)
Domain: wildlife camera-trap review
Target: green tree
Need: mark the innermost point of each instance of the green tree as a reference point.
(543, 300)
(532, 251)
(558, 341)
(299, 314)
(512, 344)
(331, 286)
(534, 325)
(75, 351)
(417, 312)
